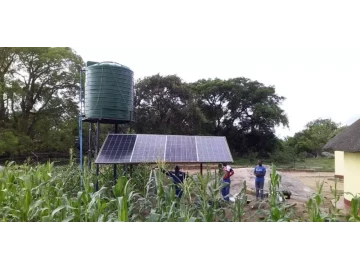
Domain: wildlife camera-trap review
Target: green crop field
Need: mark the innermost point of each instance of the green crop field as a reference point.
(53, 194)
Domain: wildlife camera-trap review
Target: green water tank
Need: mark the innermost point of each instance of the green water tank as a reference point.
(109, 92)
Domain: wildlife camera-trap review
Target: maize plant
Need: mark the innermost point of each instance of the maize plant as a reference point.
(50, 193)
(238, 210)
(314, 203)
(354, 208)
(277, 211)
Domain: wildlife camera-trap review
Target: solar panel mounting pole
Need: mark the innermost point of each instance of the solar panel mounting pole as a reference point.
(89, 151)
(80, 131)
(97, 144)
(97, 152)
(115, 169)
(201, 169)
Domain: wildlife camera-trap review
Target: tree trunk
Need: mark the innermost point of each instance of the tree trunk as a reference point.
(25, 122)
(2, 100)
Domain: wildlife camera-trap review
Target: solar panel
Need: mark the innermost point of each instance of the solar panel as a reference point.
(212, 149)
(180, 149)
(149, 148)
(117, 148)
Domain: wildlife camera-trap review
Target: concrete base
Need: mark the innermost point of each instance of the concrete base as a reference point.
(341, 177)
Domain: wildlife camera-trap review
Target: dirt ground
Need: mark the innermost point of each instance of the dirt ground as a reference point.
(310, 178)
(301, 184)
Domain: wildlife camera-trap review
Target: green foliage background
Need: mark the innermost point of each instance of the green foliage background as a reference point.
(39, 109)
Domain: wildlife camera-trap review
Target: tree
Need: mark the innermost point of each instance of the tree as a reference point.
(315, 135)
(43, 74)
(7, 58)
(244, 111)
(40, 87)
(166, 105)
(337, 131)
(284, 153)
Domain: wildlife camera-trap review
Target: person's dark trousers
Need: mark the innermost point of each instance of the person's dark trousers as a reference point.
(226, 190)
(178, 191)
(259, 185)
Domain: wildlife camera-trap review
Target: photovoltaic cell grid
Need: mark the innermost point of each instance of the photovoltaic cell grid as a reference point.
(213, 149)
(148, 148)
(143, 148)
(180, 149)
(116, 149)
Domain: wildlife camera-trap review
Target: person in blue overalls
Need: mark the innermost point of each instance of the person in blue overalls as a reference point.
(226, 179)
(178, 177)
(259, 173)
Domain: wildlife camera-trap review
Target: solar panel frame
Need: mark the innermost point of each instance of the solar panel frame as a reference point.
(172, 149)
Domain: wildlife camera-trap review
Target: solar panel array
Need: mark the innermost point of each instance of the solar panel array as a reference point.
(148, 148)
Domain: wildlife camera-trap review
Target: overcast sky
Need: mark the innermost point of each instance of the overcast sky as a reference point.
(308, 50)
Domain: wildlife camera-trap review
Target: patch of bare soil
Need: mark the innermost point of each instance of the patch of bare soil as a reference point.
(311, 179)
(299, 190)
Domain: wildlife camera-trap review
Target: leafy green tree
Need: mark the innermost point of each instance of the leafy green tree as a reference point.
(315, 135)
(337, 131)
(166, 105)
(284, 153)
(244, 111)
(38, 91)
(43, 74)
(7, 58)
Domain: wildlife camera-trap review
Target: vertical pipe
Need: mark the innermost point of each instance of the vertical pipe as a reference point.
(80, 132)
(97, 144)
(89, 150)
(115, 169)
(97, 152)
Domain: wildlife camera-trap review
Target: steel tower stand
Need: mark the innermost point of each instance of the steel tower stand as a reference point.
(95, 144)
(94, 136)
